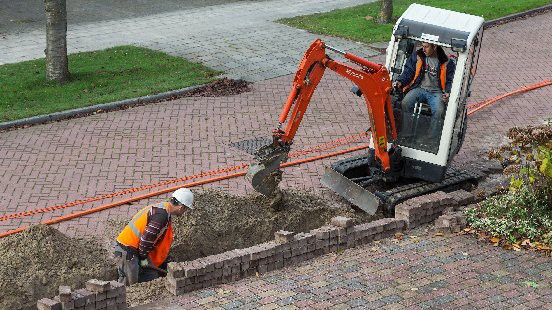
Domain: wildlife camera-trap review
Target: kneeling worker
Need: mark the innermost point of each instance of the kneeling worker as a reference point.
(147, 238)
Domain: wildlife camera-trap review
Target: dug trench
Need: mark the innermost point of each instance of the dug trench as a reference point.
(40, 259)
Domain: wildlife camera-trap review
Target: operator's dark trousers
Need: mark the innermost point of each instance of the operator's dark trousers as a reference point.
(128, 267)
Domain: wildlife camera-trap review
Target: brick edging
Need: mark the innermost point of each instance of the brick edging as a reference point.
(289, 248)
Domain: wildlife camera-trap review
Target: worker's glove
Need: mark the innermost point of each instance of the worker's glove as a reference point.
(144, 263)
(446, 98)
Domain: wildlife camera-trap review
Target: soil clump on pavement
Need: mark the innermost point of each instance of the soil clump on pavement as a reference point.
(38, 260)
(220, 88)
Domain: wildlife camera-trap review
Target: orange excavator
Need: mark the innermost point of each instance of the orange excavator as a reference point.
(401, 162)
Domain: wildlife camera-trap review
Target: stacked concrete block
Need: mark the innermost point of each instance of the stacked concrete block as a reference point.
(376, 230)
(98, 295)
(462, 198)
(423, 209)
(451, 222)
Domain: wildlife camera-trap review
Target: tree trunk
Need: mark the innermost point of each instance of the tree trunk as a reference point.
(386, 13)
(57, 67)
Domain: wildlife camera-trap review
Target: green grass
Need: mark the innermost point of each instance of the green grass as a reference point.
(96, 77)
(351, 23)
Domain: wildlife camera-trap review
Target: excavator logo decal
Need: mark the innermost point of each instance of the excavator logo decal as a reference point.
(352, 73)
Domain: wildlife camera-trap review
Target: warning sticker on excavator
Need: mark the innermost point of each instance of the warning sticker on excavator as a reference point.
(381, 141)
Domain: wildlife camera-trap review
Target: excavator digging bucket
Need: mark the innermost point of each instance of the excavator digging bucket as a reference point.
(351, 191)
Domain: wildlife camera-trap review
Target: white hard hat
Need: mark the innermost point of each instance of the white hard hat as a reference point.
(184, 196)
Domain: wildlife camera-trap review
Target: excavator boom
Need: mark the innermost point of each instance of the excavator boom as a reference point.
(372, 80)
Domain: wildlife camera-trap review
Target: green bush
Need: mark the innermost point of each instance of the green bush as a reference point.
(525, 210)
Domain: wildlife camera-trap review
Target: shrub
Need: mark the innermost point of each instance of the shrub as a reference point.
(525, 210)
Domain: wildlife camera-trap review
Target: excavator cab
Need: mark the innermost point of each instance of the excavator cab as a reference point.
(429, 144)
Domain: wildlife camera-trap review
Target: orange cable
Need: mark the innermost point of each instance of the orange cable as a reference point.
(473, 108)
(478, 106)
(163, 191)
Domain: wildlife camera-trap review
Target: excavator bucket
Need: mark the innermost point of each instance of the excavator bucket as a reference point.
(265, 174)
(351, 191)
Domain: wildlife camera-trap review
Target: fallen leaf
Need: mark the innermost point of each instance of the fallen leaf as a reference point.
(544, 248)
(465, 254)
(526, 242)
(414, 289)
(495, 240)
(439, 234)
(531, 284)
(257, 274)
(399, 236)
(368, 17)
(467, 229)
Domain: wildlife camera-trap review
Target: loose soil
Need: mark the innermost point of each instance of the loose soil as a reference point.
(38, 260)
(41, 258)
(221, 222)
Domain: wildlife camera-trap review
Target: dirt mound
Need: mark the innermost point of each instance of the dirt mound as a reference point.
(146, 292)
(222, 222)
(222, 87)
(38, 260)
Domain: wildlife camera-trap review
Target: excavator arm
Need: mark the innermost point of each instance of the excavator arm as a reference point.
(372, 80)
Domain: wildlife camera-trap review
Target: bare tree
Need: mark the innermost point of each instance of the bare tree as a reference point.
(386, 13)
(57, 66)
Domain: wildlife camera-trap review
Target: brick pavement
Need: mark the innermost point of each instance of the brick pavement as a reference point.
(423, 271)
(64, 161)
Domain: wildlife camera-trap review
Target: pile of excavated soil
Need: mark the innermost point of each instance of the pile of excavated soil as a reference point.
(222, 222)
(38, 260)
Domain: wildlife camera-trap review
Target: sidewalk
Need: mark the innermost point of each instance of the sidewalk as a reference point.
(240, 38)
(423, 271)
(51, 164)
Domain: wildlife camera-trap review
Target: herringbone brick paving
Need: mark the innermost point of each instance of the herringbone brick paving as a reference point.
(65, 161)
(422, 271)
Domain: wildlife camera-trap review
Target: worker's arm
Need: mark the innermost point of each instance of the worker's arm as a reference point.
(157, 220)
(409, 70)
(451, 67)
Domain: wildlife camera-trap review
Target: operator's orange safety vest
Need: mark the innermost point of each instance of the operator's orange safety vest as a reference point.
(130, 236)
(442, 76)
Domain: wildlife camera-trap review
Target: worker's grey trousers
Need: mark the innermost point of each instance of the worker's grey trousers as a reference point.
(128, 266)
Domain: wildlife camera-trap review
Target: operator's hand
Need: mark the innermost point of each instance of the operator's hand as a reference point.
(144, 263)
(397, 84)
(446, 97)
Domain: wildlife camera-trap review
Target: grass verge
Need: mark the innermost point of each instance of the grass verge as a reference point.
(109, 75)
(359, 23)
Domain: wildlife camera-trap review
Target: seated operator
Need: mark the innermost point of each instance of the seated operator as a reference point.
(427, 76)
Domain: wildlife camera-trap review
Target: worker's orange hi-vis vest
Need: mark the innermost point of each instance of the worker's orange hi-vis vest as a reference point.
(130, 236)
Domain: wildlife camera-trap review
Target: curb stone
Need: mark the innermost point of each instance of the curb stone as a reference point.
(42, 119)
(58, 116)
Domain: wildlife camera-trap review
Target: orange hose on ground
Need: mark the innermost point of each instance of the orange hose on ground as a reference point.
(473, 108)
(163, 191)
(325, 146)
(478, 106)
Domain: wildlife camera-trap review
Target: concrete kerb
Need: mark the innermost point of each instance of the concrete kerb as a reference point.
(41, 119)
(511, 17)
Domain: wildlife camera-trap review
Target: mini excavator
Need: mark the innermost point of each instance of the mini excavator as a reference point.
(403, 160)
